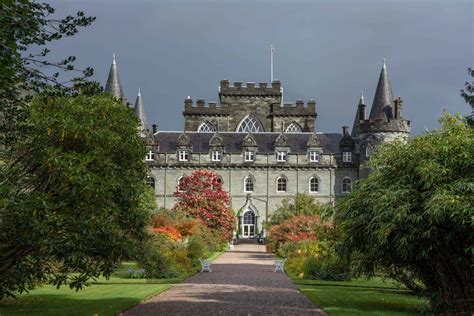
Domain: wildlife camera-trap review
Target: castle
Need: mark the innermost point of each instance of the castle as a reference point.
(265, 149)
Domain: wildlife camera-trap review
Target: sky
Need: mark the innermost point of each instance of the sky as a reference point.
(326, 50)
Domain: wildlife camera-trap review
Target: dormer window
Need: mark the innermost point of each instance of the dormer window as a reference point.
(313, 156)
(281, 156)
(249, 156)
(183, 155)
(216, 155)
(346, 156)
(150, 155)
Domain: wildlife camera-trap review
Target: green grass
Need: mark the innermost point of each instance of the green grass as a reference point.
(361, 297)
(102, 297)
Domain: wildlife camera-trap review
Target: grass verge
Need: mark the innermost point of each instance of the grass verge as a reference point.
(103, 297)
(361, 297)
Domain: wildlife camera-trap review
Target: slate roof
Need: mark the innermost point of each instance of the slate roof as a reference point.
(139, 111)
(167, 141)
(382, 105)
(113, 85)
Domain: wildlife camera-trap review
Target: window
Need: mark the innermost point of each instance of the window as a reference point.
(206, 127)
(250, 124)
(314, 156)
(281, 156)
(150, 181)
(248, 184)
(346, 185)
(281, 184)
(216, 155)
(346, 156)
(179, 185)
(368, 151)
(150, 156)
(293, 128)
(313, 185)
(183, 155)
(249, 156)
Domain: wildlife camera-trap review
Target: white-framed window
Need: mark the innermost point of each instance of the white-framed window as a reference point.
(179, 184)
(293, 128)
(216, 155)
(368, 151)
(248, 184)
(281, 156)
(150, 181)
(206, 127)
(250, 124)
(249, 155)
(346, 156)
(150, 155)
(183, 155)
(281, 184)
(313, 156)
(346, 185)
(313, 185)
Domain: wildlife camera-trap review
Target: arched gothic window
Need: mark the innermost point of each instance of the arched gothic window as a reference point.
(250, 124)
(179, 184)
(293, 128)
(248, 184)
(150, 181)
(368, 151)
(206, 127)
(313, 185)
(281, 184)
(346, 185)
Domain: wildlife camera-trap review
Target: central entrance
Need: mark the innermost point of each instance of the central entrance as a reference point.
(248, 225)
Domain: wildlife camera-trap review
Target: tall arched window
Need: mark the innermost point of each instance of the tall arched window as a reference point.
(281, 184)
(206, 127)
(313, 185)
(180, 184)
(248, 184)
(293, 128)
(150, 181)
(346, 185)
(250, 124)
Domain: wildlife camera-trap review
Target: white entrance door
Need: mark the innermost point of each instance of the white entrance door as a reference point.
(248, 224)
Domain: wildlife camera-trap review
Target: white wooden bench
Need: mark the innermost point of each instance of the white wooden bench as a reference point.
(230, 246)
(205, 265)
(280, 265)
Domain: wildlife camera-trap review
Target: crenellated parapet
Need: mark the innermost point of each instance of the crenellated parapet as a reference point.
(384, 125)
(262, 89)
(299, 108)
(201, 108)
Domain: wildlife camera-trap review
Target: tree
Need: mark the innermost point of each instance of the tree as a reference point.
(468, 95)
(72, 203)
(200, 195)
(413, 214)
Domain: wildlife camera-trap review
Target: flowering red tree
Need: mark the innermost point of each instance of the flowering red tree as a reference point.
(200, 195)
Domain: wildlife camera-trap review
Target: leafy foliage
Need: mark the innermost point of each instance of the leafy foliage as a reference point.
(414, 212)
(73, 197)
(201, 196)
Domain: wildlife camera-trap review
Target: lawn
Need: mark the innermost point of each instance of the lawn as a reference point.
(102, 297)
(361, 297)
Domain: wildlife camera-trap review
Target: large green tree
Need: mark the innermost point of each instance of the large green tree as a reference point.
(71, 204)
(413, 215)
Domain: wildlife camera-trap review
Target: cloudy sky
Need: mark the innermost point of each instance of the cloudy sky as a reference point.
(326, 50)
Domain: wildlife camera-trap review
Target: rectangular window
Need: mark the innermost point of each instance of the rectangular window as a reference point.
(346, 156)
(216, 155)
(150, 156)
(314, 156)
(281, 156)
(249, 156)
(183, 155)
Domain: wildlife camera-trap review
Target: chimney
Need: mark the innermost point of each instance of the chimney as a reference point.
(154, 128)
(345, 130)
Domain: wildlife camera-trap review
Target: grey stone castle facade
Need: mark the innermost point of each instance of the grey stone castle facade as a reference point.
(264, 149)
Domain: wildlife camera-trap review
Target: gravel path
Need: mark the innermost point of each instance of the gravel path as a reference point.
(242, 283)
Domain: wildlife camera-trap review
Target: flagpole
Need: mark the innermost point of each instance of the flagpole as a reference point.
(271, 63)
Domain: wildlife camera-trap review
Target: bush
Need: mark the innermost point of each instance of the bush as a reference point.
(325, 268)
(156, 264)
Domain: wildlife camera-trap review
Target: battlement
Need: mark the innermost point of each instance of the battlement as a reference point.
(381, 125)
(295, 109)
(250, 89)
(200, 107)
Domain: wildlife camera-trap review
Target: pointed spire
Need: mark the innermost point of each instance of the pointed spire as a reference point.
(360, 115)
(113, 85)
(361, 100)
(140, 113)
(382, 105)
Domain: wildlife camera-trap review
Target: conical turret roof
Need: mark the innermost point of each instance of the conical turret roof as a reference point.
(382, 105)
(113, 85)
(355, 126)
(140, 113)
